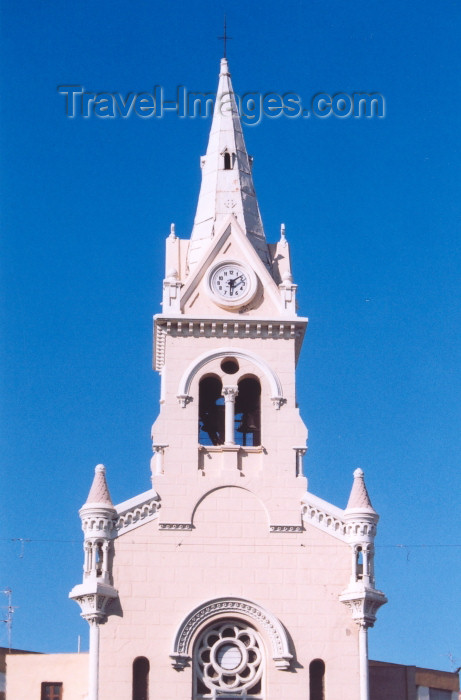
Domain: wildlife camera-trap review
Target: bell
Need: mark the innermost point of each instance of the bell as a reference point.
(248, 424)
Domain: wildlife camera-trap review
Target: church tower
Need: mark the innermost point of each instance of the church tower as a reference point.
(228, 578)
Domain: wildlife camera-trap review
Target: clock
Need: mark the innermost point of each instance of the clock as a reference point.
(231, 284)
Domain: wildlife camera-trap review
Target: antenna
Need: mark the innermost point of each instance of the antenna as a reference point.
(8, 620)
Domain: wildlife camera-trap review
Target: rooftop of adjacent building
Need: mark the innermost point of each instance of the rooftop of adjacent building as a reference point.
(392, 680)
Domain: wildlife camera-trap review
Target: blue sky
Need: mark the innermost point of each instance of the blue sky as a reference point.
(372, 211)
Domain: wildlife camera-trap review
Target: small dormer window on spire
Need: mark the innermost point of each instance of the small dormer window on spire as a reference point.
(227, 161)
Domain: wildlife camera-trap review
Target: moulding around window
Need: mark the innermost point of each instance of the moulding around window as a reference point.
(274, 382)
(263, 620)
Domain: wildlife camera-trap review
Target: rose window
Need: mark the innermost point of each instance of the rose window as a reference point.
(228, 662)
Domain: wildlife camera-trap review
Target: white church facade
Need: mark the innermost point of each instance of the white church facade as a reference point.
(228, 579)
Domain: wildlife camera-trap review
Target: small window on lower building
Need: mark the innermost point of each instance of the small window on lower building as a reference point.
(51, 691)
(436, 694)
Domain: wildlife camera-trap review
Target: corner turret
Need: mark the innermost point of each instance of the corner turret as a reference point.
(98, 517)
(361, 596)
(361, 521)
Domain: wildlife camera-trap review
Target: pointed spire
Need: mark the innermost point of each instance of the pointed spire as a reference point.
(359, 498)
(227, 183)
(99, 492)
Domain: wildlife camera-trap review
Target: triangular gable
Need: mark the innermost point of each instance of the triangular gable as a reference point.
(231, 228)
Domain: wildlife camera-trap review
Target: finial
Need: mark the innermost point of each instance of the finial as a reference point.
(283, 239)
(172, 231)
(172, 275)
(224, 38)
(287, 277)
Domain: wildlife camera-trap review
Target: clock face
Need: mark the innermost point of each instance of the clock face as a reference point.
(229, 281)
(231, 284)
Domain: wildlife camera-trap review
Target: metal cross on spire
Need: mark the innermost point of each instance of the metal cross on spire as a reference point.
(225, 38)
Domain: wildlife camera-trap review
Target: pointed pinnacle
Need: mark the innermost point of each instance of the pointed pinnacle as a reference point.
(99, 492)
(359, 498)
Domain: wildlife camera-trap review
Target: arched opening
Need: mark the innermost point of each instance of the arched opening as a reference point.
(88, 549)
(369, 564)
(274, 384)
(358, 563)
(227, 161)
(211, 411)
(317, 680)
(248, 413)
(228, 662)
(141, 668)
(99, 554)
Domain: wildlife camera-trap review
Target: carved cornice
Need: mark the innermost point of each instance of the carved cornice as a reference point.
(226, 607)
(287, 528)
(94, 599)
(250, 449)
(175, 526)
(221, 328)
(321, 518)
(137, 515)
(100, 524)
(363, 604)
(337, 522)
(159, 347)
(360, 530)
